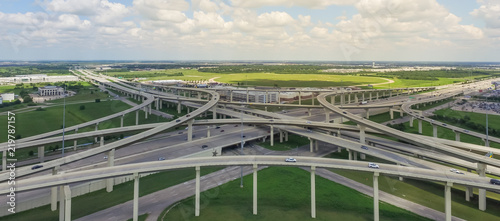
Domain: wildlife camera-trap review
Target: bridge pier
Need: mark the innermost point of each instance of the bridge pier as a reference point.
(419, 126)
(65, 203)
(363, 96)
(121, 120)
(101, 141)
(342, 99)
(481, 170)
(255, 189)
(286, 135)
(311, 145)
(135, 210)
(208, 131)
(350, 154)
(214, 112)
(370, 96)
(178, 107)
(349, 98)
(332, 99)
(53, 191)
(411, 121)
(41, 153)
(377, 96)
(457, 135)
(247, 96)
(375, 197)
(111, 162)
(96, 128)
(434, 130)
(272, 136)
(137, 117)
(468, 193)
(281, 135)
(362, 133)
(300, 98)
(145, 113)
(367, 112)
(309, 111)
(447, 200)
(327, 115)
(197, 193)
(313, 192)
(190, 130)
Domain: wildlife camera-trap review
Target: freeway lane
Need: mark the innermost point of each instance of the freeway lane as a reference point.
(129, 169)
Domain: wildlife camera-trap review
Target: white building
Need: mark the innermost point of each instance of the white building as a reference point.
(38, 78)
(50, 91)
(8, 96)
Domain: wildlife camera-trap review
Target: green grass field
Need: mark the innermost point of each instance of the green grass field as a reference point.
(293, 142)
(284, 194)
(100, 200)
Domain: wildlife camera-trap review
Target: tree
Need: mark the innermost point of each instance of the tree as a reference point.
(31, 153)
(27, 99)
(97, 100)
(82, 107)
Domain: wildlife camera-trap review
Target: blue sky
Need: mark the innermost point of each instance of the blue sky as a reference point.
(340, 30)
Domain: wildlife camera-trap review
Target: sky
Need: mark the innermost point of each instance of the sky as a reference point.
(278, 30)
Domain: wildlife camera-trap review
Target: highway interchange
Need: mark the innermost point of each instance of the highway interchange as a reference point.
(277, 123)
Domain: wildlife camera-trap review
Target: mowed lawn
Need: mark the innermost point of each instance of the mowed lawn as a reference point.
(261, 79)
(37, 122)
(284, 194)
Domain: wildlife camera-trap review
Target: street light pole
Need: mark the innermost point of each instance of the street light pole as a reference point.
(241, 137)
(487, 141)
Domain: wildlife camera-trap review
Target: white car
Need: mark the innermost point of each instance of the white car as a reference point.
(373, 165)
(290, 160)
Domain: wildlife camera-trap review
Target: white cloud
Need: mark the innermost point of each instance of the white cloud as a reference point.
(317, 4)
(273, 19)
(489, 11)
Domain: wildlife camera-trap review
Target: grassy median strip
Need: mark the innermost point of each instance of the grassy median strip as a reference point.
(96, 201)
(284, 194)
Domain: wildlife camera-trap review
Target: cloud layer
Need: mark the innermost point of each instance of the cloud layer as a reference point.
(257, 29)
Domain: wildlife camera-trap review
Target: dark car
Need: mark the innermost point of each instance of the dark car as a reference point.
(177, 120)
(344, 112)
(495, 181)
(364, 147)
(204, 146)
(217, 127)
(188, 115)
(222, 131)
(236, 125)
(36, 167)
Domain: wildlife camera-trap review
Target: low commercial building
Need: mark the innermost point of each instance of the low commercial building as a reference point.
(8, 96)
(37, 78)
(50, 91)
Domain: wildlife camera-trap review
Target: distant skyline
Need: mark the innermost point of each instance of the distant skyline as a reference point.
(314, 30)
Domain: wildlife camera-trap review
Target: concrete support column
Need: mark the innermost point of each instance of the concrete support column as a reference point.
(208, 131)
(255, 189)
(214, 112)
(356, 100)
(137, 117)
(447, 200)
(121, 120)
(311, 145)
(157, 105)
(111, 162)
(434, 130)
(316, 145)
(457, 136)
(101, 141)
(300, 98)
(332, 100)
(342, 99)
(481, 170)
(363, 97)
(247, 96)
(362, 133)
(178, 107)
(367, 112)
(411, 121)
(135, 210)
(62, 202)
(272, 136)
(145, 112)
(391, 113)
(419, 126)
(468, 193)
(377, 96)
(286, 135)
(350, 154)
(281, 135)
(197, 193)
(67, 202)
(370, 96)
(231, 96)
(313, 192)
(190, 130)
(355, 155)
(41, 153)
(309, 111)
(327, 115)
(349, 98)
(375, 197)
(53, 191)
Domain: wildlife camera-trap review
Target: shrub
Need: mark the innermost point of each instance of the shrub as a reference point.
(97, 100)
(82, 107)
